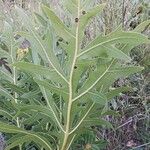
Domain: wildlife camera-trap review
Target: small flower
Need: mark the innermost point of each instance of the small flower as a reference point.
(88, 146)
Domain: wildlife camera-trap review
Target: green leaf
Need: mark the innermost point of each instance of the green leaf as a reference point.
(38, 44)
(18, 141)
(98, 97)
(54, 89)
(5, 93)
(97, 122)
(107, 77)
(15, 88)
(35, 108)
(126, 71)
(142, 26)
(4, 53)
(93, 80)
(116, 91)
(10, 128)
(58, 25)
(41, 19)
(87, 17)
(113, 74)
(114, 52)
(34, 119)
(5, 114)
(5, 76)
(96, 47)
(33, 136)
(86, 3)
(71, 7)
(30, 94)
(8, 30)
(37, 70)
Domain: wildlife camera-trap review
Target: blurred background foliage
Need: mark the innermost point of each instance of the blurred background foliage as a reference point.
(133, 124)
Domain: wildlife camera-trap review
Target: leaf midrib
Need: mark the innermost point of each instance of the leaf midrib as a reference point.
(105, 42)
(48, 56)
(87, 90)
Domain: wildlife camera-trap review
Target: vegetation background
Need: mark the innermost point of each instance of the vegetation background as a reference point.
(133, 124)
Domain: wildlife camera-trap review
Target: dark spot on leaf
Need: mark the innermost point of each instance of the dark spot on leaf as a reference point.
(60, 39)
(75, 67)
(83, 12)
(76, 19)
(133, 24)
(57, 43)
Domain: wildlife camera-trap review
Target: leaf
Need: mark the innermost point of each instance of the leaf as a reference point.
(8, 30)
(49, 45)
(126, 71)
(71, 7)
(84, 19)
(15, 88)
(48, 97)
(86, 3)
(4, 54)
(34, 118)
(41, 19)
(10, 128)
(30, 94)
(5, 76)
(81, 112)
(114, 74)
(5, 93)
(19, 141)
(98, 97)
(142, 26)
(96, 76)
(114, 52)
(107, 77)
(6, 114)
(58, 25)
(110, 113)
(35, 108)
(33, 136)
(79, 75)
(37, 70)
(97, 45)
(97, 122)
(116, 91)
(52, 88)
(99, 145)
(37, 43)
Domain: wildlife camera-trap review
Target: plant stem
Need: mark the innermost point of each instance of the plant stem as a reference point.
(66, 135)
(15, 96)
(15, 83)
